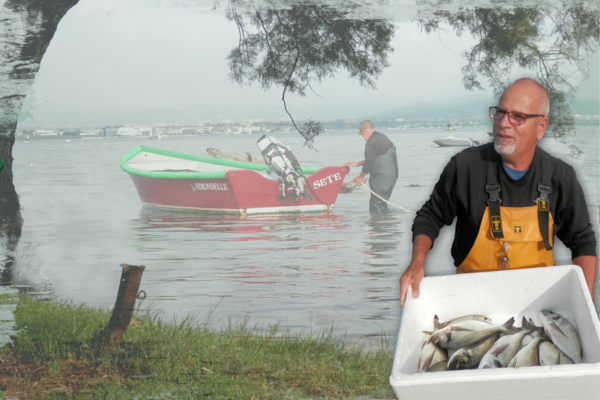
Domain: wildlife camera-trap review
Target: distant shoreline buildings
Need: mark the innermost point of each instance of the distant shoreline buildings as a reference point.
(253, 127)
(126, 131)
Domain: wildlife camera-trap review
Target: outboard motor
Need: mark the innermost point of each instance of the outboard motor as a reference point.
(284, 164)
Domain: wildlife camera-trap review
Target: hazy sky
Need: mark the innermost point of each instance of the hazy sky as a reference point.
(126, 55)
(591, 87)
(135, 56)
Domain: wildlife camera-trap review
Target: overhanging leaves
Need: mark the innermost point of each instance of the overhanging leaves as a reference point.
(291, 45)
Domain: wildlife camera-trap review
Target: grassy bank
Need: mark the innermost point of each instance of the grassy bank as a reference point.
(54, 357)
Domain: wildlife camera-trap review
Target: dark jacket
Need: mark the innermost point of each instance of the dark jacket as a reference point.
(377, 145)
(460, 192)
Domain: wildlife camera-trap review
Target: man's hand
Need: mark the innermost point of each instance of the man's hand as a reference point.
(351, 164)
(359, 178)
(412, 277)
(416, 271)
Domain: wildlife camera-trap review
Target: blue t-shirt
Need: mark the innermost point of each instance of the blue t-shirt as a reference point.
(513, 173)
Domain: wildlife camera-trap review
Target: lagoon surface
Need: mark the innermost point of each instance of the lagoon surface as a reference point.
(83, 218)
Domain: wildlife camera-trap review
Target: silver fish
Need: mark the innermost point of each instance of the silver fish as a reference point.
(467, 334)
(470, 357)
(528, 356)
(500, 354)
(551, 355)
(490, 361)
(534, 331)
(441, 366)
(437, 325)
(529, 325)
(430, 355)
(469, 322)
(563, 334)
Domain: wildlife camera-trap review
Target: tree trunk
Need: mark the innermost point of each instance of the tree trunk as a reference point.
(26, 30)
(10, 211)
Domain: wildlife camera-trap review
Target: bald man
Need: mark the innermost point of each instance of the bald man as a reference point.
(381, 162)
(510, 199)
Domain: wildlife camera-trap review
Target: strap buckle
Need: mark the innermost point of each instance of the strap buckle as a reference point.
(544, 190)
(493, 190)
(504, 256)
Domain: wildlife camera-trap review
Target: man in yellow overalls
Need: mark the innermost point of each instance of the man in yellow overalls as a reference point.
(510, 199)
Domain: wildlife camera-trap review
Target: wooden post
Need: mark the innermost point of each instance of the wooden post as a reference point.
(131, 277)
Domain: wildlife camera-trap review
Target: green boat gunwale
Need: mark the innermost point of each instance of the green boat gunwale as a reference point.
(190, 175)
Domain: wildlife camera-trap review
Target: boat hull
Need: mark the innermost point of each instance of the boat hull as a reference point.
(453, 142)
(240, 192)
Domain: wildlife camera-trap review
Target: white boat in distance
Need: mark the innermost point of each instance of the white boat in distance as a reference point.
(454, 141)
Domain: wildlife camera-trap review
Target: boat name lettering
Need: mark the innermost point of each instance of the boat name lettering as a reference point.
(209, 186)
(327, 180)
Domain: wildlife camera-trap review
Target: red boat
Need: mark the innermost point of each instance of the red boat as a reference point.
(179, 181)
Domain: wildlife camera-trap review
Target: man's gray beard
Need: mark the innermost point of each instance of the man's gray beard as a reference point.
(503, 149)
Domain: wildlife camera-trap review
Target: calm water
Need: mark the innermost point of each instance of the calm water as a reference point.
(83, 218)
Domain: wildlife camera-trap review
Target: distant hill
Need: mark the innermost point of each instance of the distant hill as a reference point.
(475, 106)
(468, 107)
(191, 115)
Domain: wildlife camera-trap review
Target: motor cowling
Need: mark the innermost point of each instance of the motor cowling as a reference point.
(285, 165)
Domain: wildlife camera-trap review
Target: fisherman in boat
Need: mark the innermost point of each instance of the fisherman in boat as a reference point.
(381, 162)
(509, 197)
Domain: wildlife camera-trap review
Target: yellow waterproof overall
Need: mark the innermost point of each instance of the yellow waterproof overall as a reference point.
(512, 237)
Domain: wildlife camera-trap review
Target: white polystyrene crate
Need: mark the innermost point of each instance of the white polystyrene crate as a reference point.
(500, 295)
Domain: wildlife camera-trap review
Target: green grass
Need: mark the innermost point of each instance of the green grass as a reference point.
(55, 357)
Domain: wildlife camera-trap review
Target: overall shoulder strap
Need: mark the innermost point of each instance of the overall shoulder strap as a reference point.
(395, 159)
(492, 188)
(545, 188)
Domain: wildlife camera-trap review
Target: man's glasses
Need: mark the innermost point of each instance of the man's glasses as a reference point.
(515, 118)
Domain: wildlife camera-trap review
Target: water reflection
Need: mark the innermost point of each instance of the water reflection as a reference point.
(150, 219)
(9, 244)
(273, 265)
(153, 225)
(384, 234)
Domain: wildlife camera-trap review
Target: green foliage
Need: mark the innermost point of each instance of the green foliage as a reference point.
(290, 45)
(310, 131)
